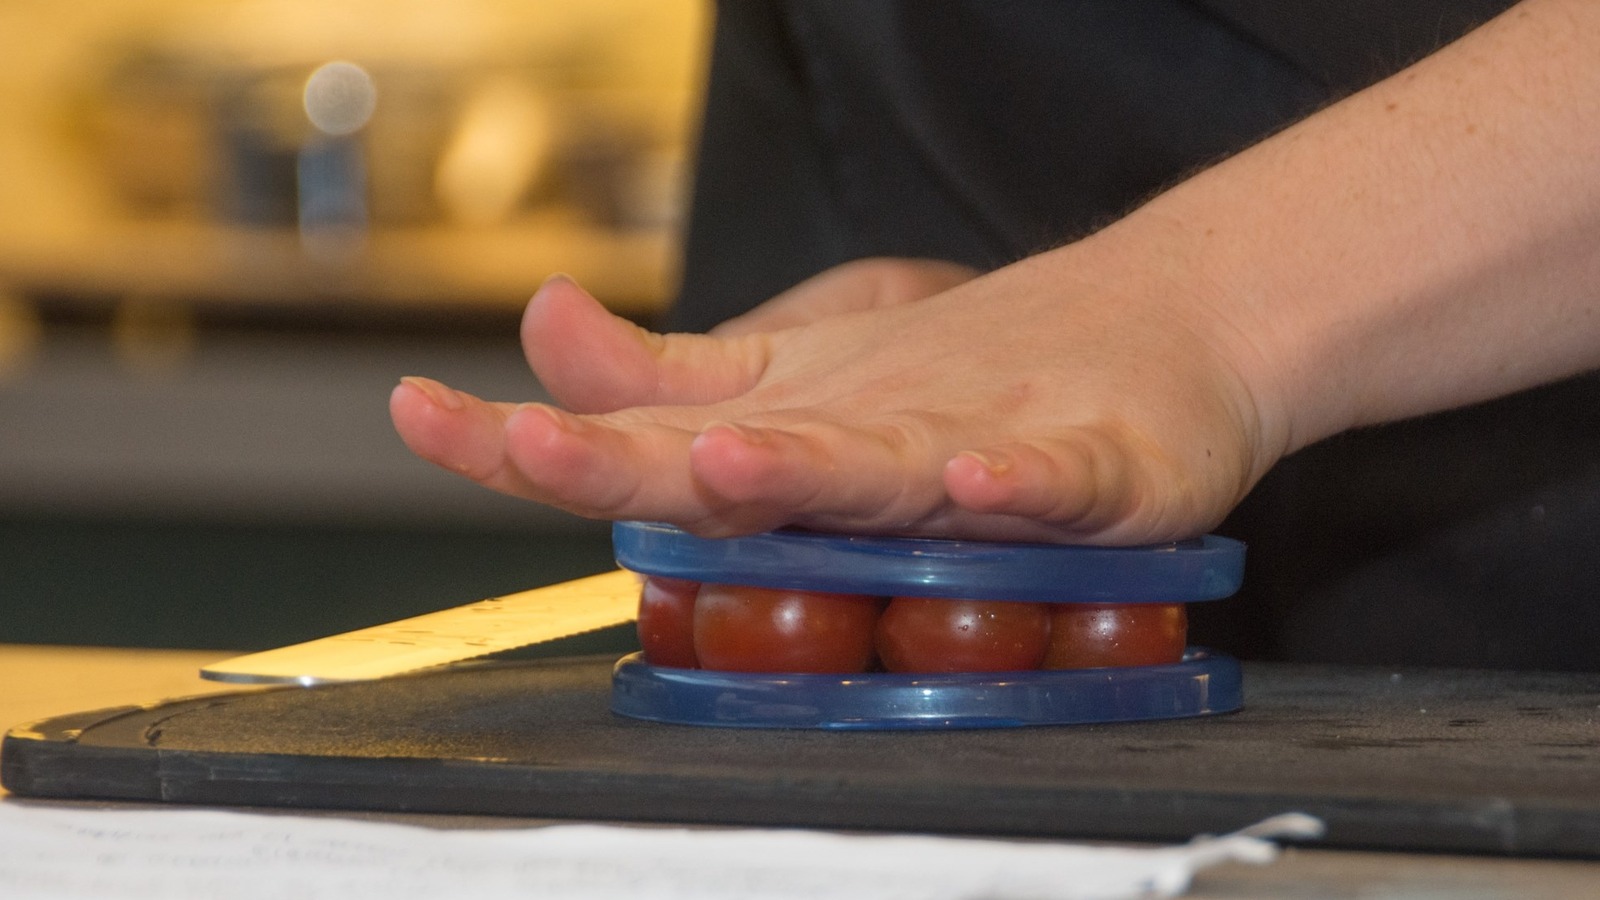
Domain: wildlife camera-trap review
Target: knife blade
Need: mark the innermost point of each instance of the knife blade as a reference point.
(444, 637)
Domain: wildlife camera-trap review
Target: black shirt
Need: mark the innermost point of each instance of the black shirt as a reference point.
(985, 131)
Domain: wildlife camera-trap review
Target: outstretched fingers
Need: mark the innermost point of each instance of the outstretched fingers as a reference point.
(869, 478)
(602, 468)
(728, 477)
(1082, 482)
(592, 361)
(586, 466)
(455, 431)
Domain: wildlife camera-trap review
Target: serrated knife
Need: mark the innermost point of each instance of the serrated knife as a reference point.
(448, 636)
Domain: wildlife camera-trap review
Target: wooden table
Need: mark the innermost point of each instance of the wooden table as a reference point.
(39, 681)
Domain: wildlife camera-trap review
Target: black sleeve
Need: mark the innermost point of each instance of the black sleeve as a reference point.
(760, 217)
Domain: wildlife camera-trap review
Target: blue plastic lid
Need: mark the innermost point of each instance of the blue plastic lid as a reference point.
(1204, 683)
(1206, 568)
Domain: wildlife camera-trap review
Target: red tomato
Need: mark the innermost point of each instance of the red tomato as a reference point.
(666, 622)
(751, 629)
(921, 634)
(1090, 635)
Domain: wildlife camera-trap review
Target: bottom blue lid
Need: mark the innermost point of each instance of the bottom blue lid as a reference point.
(1203, 683)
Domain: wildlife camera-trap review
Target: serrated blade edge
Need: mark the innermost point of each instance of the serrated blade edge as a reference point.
(444, 637)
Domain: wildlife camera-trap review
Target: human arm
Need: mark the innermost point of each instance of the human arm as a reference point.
(1419, 245)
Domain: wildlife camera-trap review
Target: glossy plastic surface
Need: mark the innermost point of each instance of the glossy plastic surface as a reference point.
(1204, 683)
(1206, 568)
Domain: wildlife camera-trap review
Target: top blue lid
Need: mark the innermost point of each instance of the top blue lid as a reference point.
(1205, 568)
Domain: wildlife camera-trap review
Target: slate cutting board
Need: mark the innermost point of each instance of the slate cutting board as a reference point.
(1430, 760)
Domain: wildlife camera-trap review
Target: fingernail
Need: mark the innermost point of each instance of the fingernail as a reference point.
(437, 394)
(993, 463)
(544, 286)
(743, 433)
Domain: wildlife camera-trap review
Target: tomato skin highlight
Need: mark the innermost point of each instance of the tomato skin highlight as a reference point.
(751, 629)
(923, 634)
(666, 622)
(1092, 635)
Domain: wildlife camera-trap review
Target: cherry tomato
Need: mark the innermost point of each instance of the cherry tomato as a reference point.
(921, 634)
(1090, 635)
(666, 621)
(751, 629)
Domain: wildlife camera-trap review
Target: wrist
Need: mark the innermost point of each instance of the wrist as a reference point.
(1168, 269)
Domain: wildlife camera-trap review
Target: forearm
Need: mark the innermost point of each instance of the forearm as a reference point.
(1429, 242)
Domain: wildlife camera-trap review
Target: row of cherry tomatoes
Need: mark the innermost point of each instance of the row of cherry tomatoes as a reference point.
(749, 629)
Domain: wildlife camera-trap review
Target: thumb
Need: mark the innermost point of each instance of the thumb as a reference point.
(592, 361)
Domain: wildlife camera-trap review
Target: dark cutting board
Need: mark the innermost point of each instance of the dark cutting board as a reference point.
(1460, 761)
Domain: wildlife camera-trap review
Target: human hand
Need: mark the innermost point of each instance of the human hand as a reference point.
(854, 286)
(1036, 402)
(1422, 244)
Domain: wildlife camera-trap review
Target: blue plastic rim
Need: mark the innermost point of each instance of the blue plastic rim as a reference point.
(1206, 568)
(1203, 684)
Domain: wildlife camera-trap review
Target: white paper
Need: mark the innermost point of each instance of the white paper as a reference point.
(68, 853)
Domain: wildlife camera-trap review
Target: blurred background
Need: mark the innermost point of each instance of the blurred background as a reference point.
(227, 227)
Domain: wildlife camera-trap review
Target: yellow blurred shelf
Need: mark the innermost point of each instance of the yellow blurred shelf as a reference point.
(632, 272)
